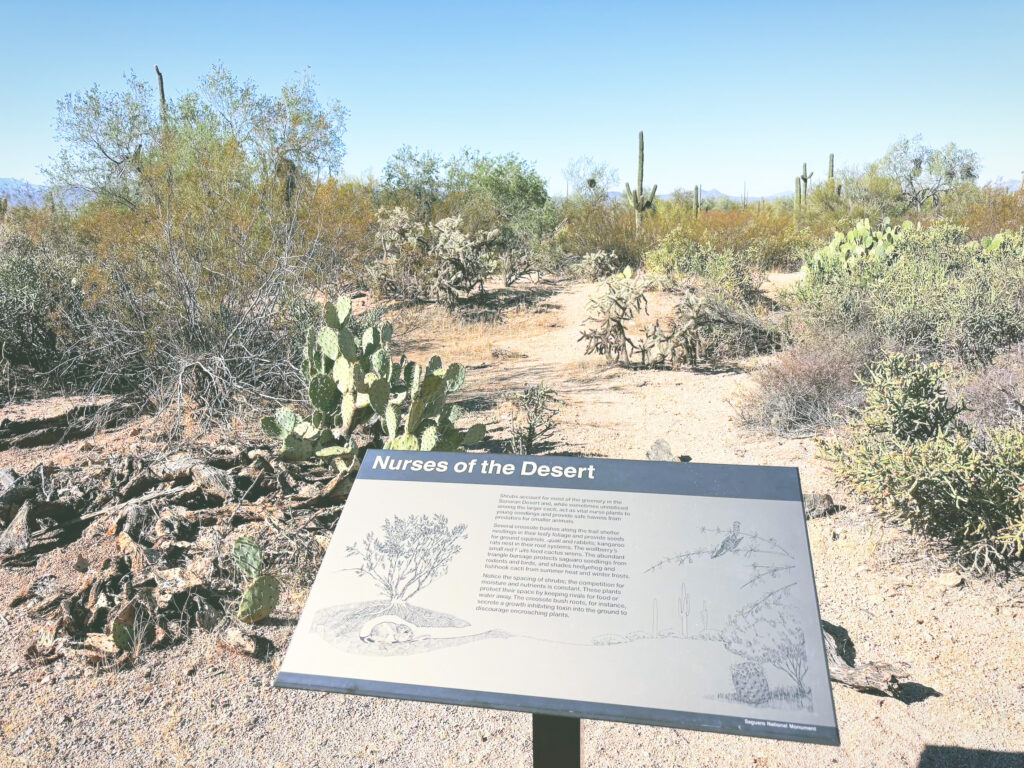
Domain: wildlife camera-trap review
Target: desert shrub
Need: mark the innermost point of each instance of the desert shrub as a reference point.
(931, 291)
(593, 224)
(808, 385)
(199, 238)
(29, 295)
(994, 396)
(679, 258)
(360, 397)
(760, 240)
(530, 417)
(908, 399)
(910, 455)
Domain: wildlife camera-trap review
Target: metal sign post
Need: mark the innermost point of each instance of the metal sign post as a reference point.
(557, 742)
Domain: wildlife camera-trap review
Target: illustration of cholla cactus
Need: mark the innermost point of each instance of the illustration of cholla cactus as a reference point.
(767, 632)
(408, 554)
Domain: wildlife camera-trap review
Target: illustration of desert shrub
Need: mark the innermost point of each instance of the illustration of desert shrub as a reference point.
(909, 454)
(530, 417)
(767, 632)
(407, 554)
(363, 398)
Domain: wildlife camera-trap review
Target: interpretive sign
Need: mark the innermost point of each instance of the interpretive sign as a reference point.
(649, 592)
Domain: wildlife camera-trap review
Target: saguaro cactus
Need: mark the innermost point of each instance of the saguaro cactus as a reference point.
(831, 165)
(806, 179)
(641, 202)
(796, 196)
(696, 200)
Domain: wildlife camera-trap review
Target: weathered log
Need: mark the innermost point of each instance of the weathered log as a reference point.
(18, 536)
(871, 677)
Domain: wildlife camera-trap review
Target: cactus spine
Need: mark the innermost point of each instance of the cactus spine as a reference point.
(641, 202)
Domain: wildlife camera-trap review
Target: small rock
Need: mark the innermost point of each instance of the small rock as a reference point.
(950, 579)
(81, 565)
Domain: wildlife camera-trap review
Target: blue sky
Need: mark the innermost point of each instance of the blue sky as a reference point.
(725, 93)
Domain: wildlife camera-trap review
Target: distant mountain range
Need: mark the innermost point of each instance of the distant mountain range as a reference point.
(21, 192)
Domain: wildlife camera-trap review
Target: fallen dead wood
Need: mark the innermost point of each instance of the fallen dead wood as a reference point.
(172, 522)
(76, 423)
(875, 677)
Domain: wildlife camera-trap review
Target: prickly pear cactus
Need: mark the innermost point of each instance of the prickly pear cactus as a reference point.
(259, 599)
(362, 397)
(248, 557)
(749, 682)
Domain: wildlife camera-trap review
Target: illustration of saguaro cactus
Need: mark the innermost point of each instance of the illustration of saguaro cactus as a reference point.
(641, 202)
(684, 611)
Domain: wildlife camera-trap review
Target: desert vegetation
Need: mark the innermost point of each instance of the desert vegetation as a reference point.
(204, 267)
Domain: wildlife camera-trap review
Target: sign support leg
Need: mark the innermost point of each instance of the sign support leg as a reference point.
(556, 742)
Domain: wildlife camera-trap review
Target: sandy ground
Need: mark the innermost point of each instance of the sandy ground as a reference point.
(199, 705)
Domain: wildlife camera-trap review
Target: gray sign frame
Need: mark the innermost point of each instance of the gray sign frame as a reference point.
(700, 484)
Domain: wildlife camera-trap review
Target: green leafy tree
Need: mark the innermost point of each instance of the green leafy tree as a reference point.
(926, 173)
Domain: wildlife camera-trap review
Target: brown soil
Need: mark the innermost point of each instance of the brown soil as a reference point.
(197, 704)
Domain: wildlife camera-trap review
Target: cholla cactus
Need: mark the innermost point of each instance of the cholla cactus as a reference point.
(623, 297)
(431, 262)
(362, 398)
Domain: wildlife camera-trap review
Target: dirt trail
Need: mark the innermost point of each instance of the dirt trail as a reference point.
(198, 705)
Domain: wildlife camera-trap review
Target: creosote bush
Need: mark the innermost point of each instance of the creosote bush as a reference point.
(808, 385)
(911, 455)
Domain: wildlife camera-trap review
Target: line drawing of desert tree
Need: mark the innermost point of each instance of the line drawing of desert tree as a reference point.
(409, 554)
(768, 632)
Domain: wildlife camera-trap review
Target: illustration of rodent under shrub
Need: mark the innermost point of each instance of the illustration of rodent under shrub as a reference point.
(401, 558)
